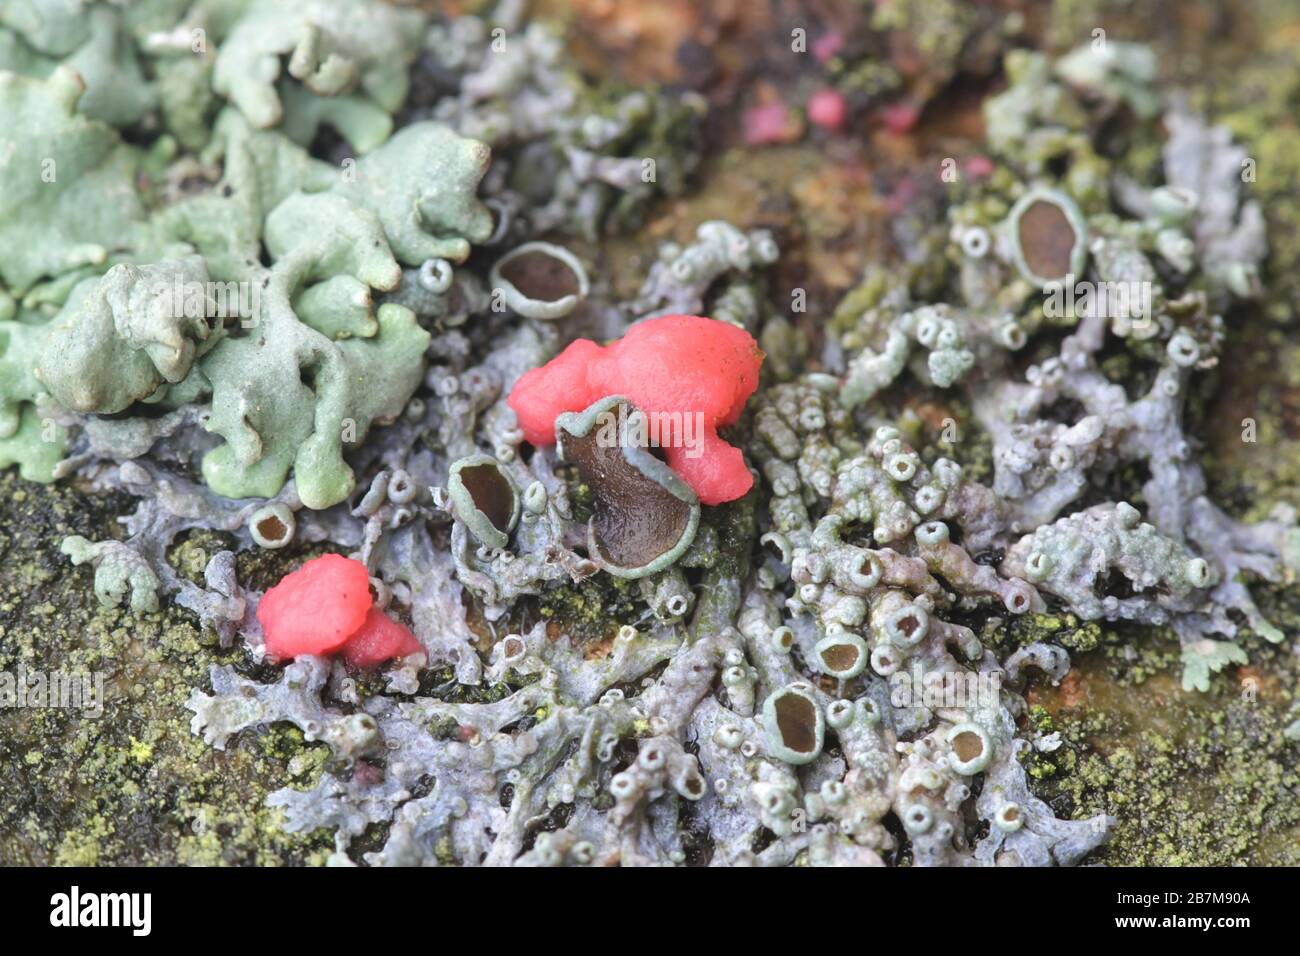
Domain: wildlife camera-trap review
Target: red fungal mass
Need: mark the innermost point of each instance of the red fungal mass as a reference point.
(325, 606)
(315, 609)
(379, 639)
(675, 363)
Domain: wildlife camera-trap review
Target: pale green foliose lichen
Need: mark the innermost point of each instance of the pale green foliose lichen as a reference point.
(119, 571)
(334, 238)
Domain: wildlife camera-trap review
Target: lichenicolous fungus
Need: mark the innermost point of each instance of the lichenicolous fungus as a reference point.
(690, 371)
(325, 607)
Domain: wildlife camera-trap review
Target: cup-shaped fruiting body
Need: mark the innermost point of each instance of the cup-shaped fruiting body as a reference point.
(382, 592)
(928, 499)
(669, 595)
(688, 783)
(1199, 573)
(842, 655)
(947, 473)
(783, 640)
(513, 648)
(483, 497)
(1012, 335)
(1062, 458)
(1038, 566)
(972, 749)
(540, 280)
(776, 801)
(736, 676)
(901, 466)
(643, 516)
(860, 570)
(535, 498)
(729, 736)
(841, 713)
(907, 626)
(932, 533)
(885, 659)
(1018, 596)
(402, 488)
(1048, 237)
(1009, 818)
(794, 724)
(272, 526)
(918, 819)
(975, 242)
(778, 545)
(833, 792)
(652, 758)
(1183, 349)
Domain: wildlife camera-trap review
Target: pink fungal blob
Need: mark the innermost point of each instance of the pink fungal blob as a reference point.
(977, 167)
(828, 45)
(379, 639)
(770, 123)
(675, 364)
(900, 117)
(827, 109)
(315, 609)
(326, 606)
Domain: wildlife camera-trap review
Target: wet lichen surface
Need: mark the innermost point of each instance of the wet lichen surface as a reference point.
(1185, 776)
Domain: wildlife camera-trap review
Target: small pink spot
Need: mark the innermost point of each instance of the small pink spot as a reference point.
(379, 639)
(827, 109)
(828, 45)
(770, 123)
(977, 167)
(899, 117)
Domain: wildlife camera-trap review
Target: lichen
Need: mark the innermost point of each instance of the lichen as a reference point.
(981, 534)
